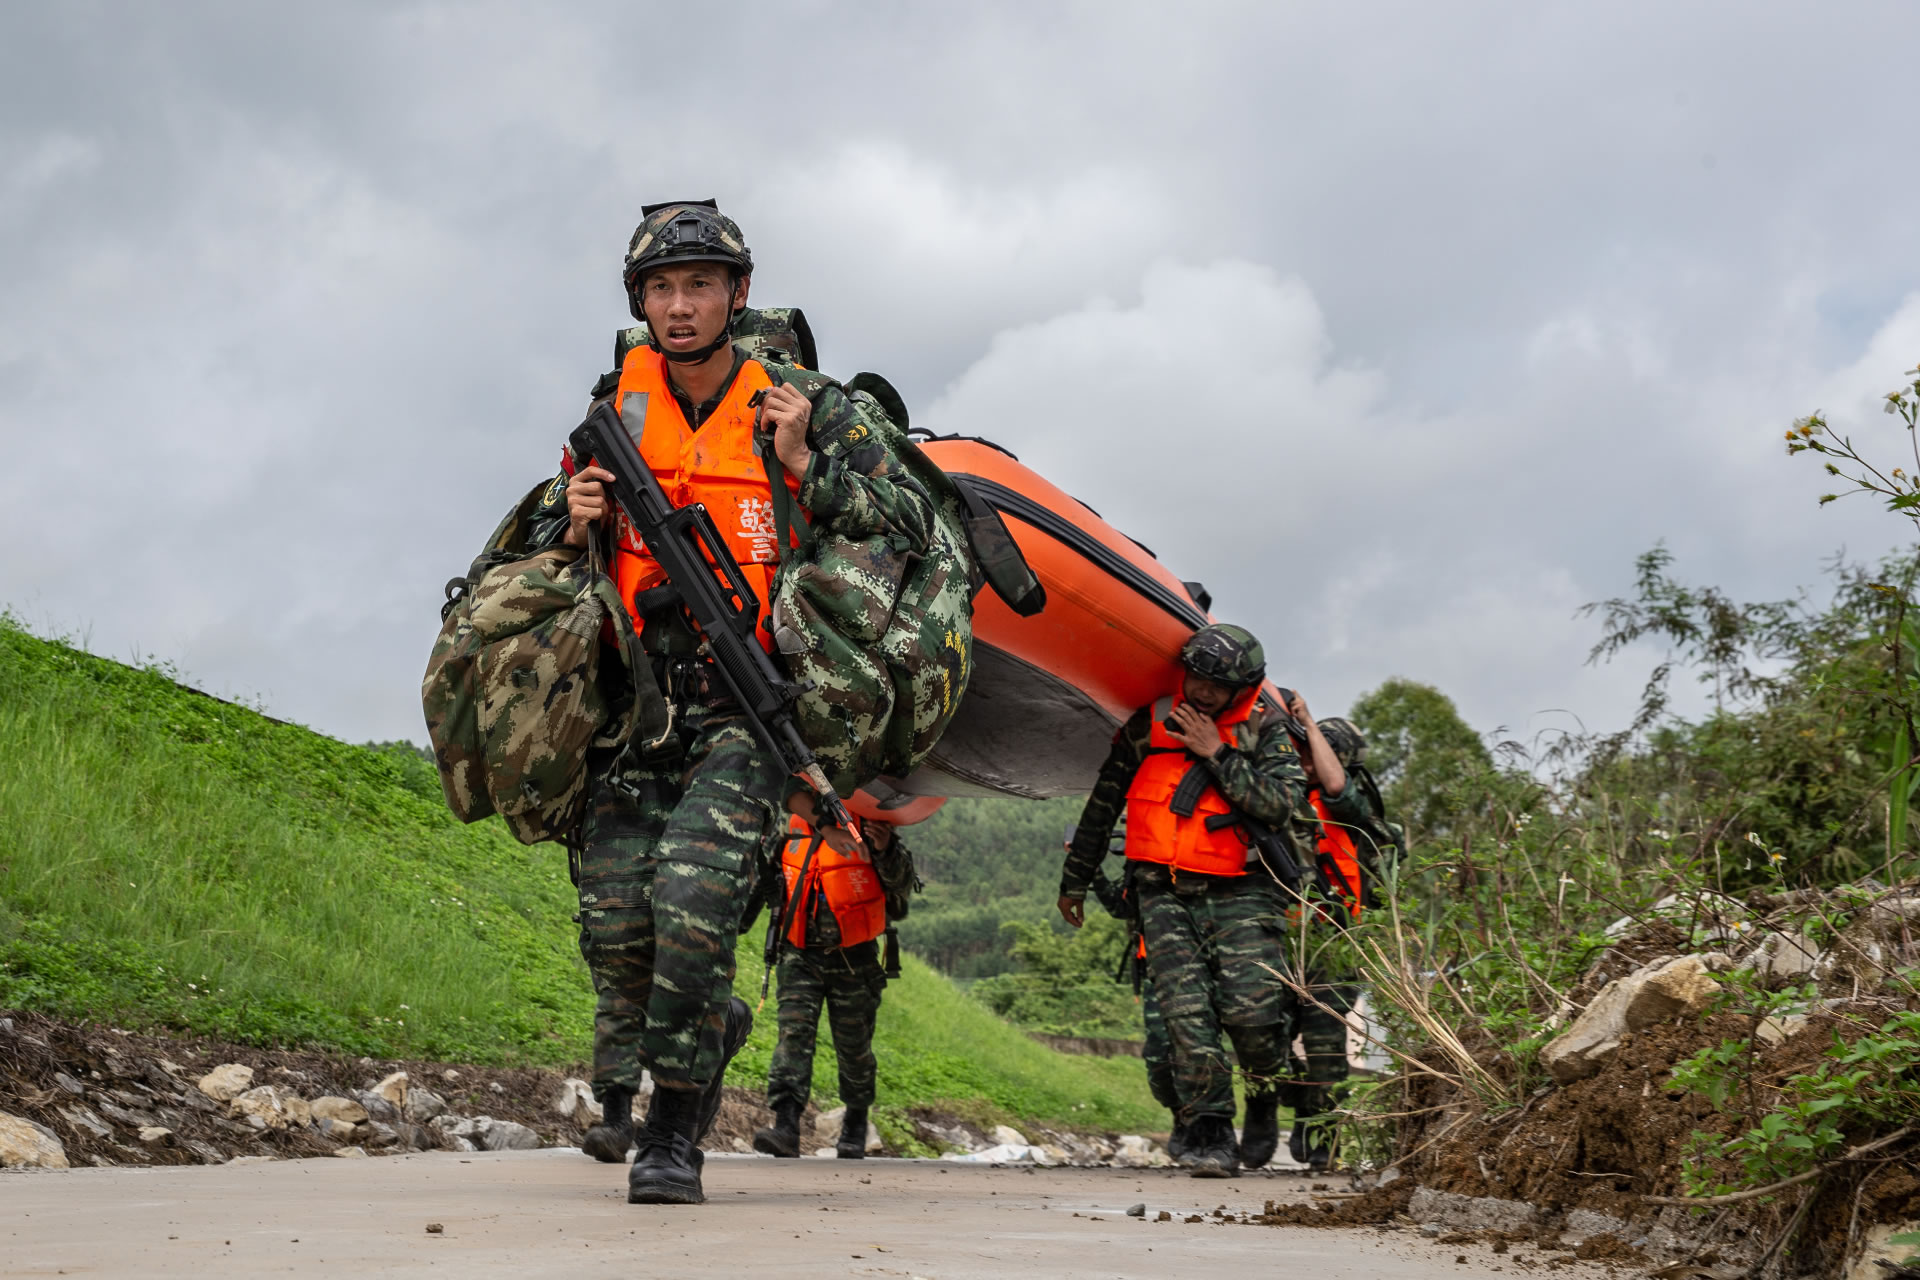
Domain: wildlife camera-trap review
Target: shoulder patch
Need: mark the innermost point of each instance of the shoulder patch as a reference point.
(808, 382)
(555, 493)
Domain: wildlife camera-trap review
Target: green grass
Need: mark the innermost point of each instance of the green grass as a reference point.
(171, 861)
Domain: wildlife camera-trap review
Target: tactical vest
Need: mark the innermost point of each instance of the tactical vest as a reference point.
(1339, 855)
(716, 465)
(1154, 832)
(845, 884)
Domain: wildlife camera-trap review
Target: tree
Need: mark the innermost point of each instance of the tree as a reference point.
(1429, 761)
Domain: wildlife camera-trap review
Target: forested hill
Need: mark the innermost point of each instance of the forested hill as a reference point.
(986, 863)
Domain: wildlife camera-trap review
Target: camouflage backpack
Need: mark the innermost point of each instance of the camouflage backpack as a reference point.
(511, 694)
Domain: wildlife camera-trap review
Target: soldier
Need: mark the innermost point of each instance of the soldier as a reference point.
(1193, 772)
(1351, 842)
(671, 836)
(836, 908)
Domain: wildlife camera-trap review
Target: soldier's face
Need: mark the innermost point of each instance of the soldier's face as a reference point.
(687, 305)
(1208, 697)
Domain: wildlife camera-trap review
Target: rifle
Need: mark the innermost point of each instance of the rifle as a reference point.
(688, 546)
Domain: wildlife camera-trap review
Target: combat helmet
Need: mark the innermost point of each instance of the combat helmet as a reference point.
(1348, 743)
(684, 231)
(1226, 655)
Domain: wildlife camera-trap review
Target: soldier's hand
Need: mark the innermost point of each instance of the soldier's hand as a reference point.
(839, 839)
(789, 412)
(1297, 706)
(879, 834)
(1197, 732)
(587, 503)
(1073, 910)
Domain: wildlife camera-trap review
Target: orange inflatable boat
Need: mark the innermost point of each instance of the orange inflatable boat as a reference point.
(1047, 692)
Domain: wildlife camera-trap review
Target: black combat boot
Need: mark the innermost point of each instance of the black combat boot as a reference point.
(1316, 1143)
(1211, 1150)
(853, 1135)
(739, 1026)
(1260, 1134)
(611, 1139)
(782, 1137)
(664, 1171)
(1177, 1141)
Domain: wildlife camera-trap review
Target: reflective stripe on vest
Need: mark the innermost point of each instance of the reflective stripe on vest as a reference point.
(715, 465)
(1339, 855)
(847, 885)
(1154, 832)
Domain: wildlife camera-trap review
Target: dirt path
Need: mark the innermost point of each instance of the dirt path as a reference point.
(555, 1213)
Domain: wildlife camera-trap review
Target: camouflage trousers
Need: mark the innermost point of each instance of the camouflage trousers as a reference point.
(848, 981)
(1157, 1050)
(667, 865)
(1316, 1084)
(1213, 943)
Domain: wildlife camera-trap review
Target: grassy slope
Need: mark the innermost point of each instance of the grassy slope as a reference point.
(170, 860)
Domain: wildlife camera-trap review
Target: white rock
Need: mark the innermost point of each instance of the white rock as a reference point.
(1007, 1136)
(1004, 1153)
(377, 1107)
(826, 1125)
(1874, 1249)
(154, 1134)
(461, 1144)
(393, 1089)
(1775, 1029)
(1136, 1152)
(352, 1153)
(1784, 955)
(81, 1116)
(423, 1105)
(227, 1081)
(825, 1153)
(1658, 990)
(576, 1103)
(270, 1107)
(874, 1141)
(26, 1145)
(338, 1110)
(489, 1134)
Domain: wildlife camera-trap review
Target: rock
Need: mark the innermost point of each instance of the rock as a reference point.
(461, 1144)
(576, 1103)
(1055, 1153)
(393, 1089)
(449, 1075)
(156, 1135)
(340, 1130)
(81, 1116)
(1661, 989)
(1775, 1030)
(1874, 1251)
(1680, 986)
(207, 1153)
(826, 1125)
(1480, 1213)
(1007, 1136)
(68, 1083)
(1136, 1152)
(381, 1135)
(1388, 1177)
(1784, 956)
(489, 1134)
(352, 1153)
(1584, 1223)
(26, 1145)
(339, 1110)
(422, 1105)
(269, 1107)
(497, 1087)
(121, 1115)
(1137, 1211)
(1004, 1153)
(377, 1107)
(226, 1082)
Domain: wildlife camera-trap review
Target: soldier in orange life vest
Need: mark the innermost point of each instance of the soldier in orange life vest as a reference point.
(1340, 830)
(672, 834)
(835, 909)
(1213, 751)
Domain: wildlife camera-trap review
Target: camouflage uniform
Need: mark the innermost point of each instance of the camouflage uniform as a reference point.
(1329, 974)
(849, 982)
(669, 846)
(1212, 941)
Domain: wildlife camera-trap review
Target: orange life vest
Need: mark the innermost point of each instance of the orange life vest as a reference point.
(1154, 832)
(715, 465)
(1339, 855)
(846, 884)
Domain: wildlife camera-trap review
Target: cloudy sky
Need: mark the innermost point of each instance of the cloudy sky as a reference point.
(1405, 327)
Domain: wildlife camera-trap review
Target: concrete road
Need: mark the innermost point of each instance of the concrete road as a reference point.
(557, 1214)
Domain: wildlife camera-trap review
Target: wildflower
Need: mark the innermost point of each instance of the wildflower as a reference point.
(1754, 839)
(1739, 927)
(1776, 859)
(1659, 833)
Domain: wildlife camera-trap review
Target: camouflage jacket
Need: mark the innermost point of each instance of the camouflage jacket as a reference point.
(1265, 782)
(856, 485)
